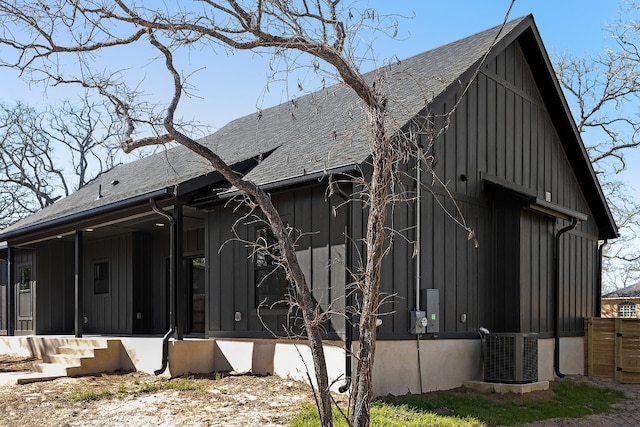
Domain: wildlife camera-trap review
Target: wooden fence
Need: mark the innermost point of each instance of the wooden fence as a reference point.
(612, 348)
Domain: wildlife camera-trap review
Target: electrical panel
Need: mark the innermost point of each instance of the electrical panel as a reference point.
(432, 310)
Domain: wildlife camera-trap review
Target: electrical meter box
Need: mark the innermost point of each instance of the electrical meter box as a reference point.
(432, 297)
(428, 321)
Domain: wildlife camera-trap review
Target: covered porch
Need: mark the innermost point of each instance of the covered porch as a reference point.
(126, 272)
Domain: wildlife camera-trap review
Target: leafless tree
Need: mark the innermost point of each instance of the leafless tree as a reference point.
(605, 91)
(32, 142)
(324, 32)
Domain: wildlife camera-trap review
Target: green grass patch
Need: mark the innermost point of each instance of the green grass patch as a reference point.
(387, 415)
(177, 384)
(88, 396)
(569, 400)
(469, 408)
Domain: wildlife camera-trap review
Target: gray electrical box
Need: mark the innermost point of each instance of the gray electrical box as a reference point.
(428, 321)
(432, 297)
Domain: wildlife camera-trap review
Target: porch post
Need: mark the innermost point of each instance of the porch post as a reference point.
(79, 285)
(11, 293)
(179, 260)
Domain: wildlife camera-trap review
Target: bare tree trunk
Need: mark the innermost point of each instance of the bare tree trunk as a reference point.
(375, 242)
(310, 311)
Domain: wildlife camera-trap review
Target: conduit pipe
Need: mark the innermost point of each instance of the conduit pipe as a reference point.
(172, 285)
(556, 326)
(348, 339)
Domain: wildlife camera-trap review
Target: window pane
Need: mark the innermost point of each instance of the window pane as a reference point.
(271, 288)
(101, 277)
(627, 309)
(25, 278)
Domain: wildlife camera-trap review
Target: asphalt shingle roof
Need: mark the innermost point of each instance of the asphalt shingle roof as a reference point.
(316, 132)
(632, 291)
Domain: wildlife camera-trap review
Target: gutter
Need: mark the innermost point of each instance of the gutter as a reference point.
(172, 285)
(556, 326)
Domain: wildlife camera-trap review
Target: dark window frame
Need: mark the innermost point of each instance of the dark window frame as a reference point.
(272, 289)
(102, 277)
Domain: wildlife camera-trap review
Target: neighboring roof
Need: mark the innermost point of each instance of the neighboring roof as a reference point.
(324, 131)
(632, 291)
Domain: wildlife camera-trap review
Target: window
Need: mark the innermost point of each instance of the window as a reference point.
(25, 278)
(271, 281)
(101, 277)
(627, 309)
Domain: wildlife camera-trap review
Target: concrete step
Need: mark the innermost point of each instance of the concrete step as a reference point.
(76, 350)
(15, 378)
(59, 369)
(82, 357)
(66, 359)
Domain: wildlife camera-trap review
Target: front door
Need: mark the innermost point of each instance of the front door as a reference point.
(196, 284)
(24, 296)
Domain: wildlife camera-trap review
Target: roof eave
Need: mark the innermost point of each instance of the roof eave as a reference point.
(51, 228)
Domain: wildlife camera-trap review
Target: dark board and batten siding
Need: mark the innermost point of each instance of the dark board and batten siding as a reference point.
(4, 277)
(56, 287)
(501, 128)
(109, 312)
(320, 249)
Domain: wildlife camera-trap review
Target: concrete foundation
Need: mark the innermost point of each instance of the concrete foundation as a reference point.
(401, 367)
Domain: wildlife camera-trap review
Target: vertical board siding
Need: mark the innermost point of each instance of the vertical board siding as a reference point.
(143, 256)
(4, 277)
(110, 312)
(320, 248)
(56, 272)
(502, 128)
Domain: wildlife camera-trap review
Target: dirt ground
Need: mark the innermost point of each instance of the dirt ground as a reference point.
(216, 400)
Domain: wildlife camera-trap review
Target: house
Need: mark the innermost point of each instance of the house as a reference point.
(101, 261)
(622, 302)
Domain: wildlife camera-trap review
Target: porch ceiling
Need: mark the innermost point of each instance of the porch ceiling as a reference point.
(147, 222)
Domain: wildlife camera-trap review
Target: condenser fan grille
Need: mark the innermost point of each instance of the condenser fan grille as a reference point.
(511, 358)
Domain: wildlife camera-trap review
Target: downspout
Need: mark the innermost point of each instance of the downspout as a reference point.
(172, 286)
(598, 307)
(418, 257)
(418, 228)
(348, 339)
(556, 326)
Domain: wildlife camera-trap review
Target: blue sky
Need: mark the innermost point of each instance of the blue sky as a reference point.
(232, 85)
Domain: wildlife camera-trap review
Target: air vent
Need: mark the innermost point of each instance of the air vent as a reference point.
(511, 358)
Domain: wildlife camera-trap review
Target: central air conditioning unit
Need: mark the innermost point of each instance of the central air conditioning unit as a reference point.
(510, 358)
